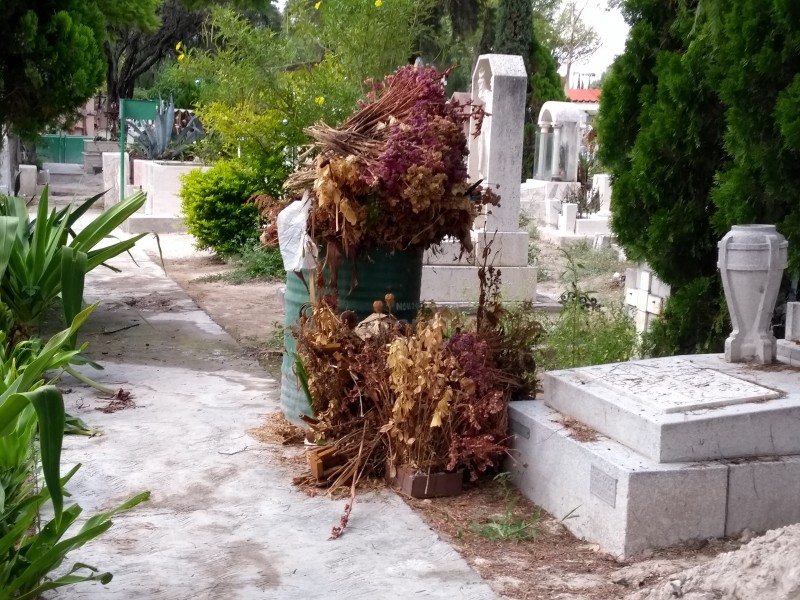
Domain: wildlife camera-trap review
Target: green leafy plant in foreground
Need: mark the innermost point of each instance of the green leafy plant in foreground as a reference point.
(29, 553)
(26, 559)
(43, 257)
(585, 333)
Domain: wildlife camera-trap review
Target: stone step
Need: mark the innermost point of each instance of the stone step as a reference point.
(627, 503)
(450, 285)
(681, 409)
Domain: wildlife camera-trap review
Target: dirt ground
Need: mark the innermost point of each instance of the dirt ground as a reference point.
(552, 566)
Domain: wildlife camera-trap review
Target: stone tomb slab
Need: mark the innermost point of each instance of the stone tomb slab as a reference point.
(626, 503)
(682, 409)
(615, 497)
(677, 385)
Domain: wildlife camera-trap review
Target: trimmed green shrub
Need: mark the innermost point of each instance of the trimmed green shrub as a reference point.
(216, 208)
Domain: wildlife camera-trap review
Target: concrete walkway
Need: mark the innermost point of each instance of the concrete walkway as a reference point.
(224, 521)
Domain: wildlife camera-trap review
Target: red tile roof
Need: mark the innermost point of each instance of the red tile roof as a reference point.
(583, 95)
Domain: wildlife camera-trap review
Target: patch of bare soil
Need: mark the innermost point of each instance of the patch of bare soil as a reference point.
(555, 565)
(553, 278)
(151, 302)
(767, 567)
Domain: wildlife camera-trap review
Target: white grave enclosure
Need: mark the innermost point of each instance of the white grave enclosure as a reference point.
(159, 180)
(499, 82)
(546, 197)
(645, 296)
(685, 448)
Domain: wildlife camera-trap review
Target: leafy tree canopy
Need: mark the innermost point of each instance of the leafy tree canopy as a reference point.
(52, 60)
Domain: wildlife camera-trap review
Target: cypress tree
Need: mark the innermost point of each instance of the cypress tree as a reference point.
(700, 127)
(514, 34)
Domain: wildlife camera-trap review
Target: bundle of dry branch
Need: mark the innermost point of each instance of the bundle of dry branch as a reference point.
(399, 396)
(394, 174)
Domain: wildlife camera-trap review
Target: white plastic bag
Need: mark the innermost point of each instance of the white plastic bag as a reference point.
(297, 249)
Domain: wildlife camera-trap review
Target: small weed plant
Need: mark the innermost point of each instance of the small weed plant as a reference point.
(585, 333)
(585, 261)
(527, 223)
(508, 526)
(253, 263)
(276, 339)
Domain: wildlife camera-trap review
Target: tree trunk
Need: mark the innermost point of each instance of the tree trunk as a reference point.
(12, 167)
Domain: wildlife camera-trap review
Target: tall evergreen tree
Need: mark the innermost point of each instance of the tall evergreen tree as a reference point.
(699, 122)
(514, 29)
(514, 33)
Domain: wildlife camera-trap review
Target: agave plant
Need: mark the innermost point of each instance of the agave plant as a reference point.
(43, 257)
(158, 139)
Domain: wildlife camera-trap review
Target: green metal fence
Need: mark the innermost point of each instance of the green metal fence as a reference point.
(61, 148)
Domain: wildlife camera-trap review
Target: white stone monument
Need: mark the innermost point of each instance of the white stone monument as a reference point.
(752, 259)
(645, 296)
(6, 176)
(555, 178)
(679, 448)
(499, 82)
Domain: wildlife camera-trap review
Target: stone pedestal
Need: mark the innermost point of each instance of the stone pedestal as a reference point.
(160, 181)
(110, 161)
(27, 180)
(6, 176)
(601, 183)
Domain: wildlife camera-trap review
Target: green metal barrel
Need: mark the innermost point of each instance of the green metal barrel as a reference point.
(378, 272)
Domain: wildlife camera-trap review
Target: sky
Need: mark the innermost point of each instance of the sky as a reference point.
(609, 25)
(613, 32)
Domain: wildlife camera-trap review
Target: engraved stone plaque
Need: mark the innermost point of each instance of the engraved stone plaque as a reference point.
(603, 485)
(677, 385)
(519, 429)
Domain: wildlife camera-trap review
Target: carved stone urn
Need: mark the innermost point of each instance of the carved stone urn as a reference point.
(751, 261)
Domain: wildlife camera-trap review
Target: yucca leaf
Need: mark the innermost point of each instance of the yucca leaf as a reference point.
(98, 257)
(68, 579)
(53, 557)
(73, 274)
(83, 207)
(37, 255)
(105, 223)
(8, 235)
(49, 406)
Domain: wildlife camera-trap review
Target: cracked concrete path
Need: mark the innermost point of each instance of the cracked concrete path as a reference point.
(224, 521)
